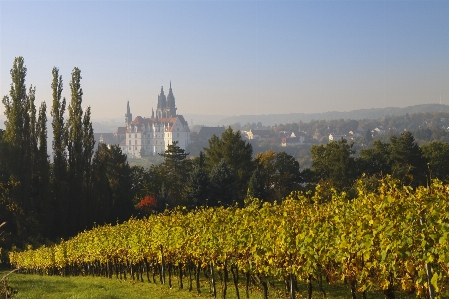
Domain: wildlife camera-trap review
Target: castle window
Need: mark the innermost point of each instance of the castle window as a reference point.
(129, 135)
(135, 142)
(178, 134)
(135, 135)
(130, 142)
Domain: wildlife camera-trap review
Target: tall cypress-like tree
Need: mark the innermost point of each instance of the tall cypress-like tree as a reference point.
(15, 108)
(30, 138)
(46, 211)
(59, 174)
(18, 149)
(74, 129)
(88, 151)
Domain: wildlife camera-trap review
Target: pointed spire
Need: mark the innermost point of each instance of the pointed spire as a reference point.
(170, 84)
(128, 115)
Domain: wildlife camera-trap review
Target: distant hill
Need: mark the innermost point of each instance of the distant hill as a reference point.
(205, 120)
(373, 113)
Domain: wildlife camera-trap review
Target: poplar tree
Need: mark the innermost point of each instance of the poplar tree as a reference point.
(30, 148)
(43, 168)
(15, 108)
(59, 175)
(74, 129)
(17, 148)
(88, 151)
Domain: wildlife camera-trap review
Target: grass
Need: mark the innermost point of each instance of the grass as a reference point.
(57, 287)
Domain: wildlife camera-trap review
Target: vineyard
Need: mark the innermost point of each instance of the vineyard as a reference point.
(393, 239)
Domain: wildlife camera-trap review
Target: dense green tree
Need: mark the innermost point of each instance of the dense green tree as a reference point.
(101, 190)
(288, 176)
(334, 164)
(237, 154)
(437, 153)
(375, 160)
(112, 186)
(264, 174)
(198, 188)
(279, 173)
(256, 186)
(408, 162)
(223, 185)
(175, 170)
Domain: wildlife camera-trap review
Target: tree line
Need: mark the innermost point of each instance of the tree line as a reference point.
(43, 199)
(227, 172)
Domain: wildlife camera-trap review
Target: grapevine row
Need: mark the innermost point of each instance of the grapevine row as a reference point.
(383, 240)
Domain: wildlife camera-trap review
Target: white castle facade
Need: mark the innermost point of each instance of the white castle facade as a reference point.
(151, 136)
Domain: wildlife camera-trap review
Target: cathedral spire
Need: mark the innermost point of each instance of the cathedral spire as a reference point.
(128, 115)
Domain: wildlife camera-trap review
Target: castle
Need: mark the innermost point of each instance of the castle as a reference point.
(151, 136)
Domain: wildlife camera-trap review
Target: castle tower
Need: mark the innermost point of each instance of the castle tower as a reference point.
(161, 103)
(128, 115)
(166, 105)
(171, 105)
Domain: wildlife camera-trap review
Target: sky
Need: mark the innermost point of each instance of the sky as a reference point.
(232, 57)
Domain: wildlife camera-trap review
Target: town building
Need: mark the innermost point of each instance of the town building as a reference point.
(206, 133)
(259, 134)
(292, 138)
(335, 137)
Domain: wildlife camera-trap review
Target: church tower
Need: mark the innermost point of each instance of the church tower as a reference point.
(171, 106)
(161, 103)
(166, 106)
(128, 115)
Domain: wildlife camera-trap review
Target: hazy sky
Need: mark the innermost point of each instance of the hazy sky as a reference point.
(232, 57)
